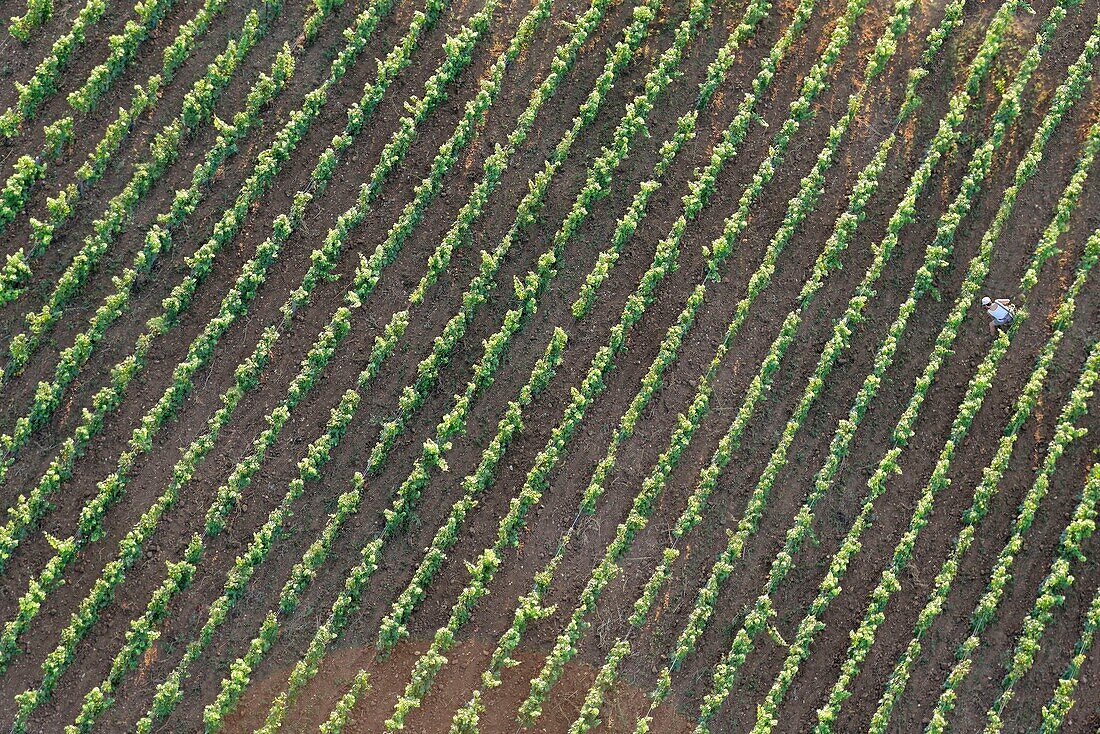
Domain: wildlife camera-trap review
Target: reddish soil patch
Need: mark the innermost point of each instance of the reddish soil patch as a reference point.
(557, 508)
(388, 679)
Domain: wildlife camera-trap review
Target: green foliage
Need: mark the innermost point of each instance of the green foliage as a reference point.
(48, 395)
(1062, 700)
(428, 370)
(1064, 98)
(122, 48)
(47, 75)
(652, 486)
(936, 256)
(1066, 431)
(234, 304)
(38, 14)
(1025, 403)
(196, 109)
(13, 276)
(528, 289)
(130, 547)
(341, 714)
(863, 189)
(458, 54)
(402, 508)
(1051, 594)
(110, 489)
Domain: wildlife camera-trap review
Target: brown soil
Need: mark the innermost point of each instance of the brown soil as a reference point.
(555, 513)
(387, 681)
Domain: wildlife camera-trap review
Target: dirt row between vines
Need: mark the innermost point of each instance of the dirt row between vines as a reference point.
(553, 516)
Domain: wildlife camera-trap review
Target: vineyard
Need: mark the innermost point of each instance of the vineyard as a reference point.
(557, 366)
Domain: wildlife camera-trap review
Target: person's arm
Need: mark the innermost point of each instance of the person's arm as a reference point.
(1006, 302)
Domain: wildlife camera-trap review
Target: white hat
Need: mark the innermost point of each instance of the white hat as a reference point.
(986, 301)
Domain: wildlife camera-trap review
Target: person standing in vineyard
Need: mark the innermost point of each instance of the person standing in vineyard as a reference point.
(1001, 310)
